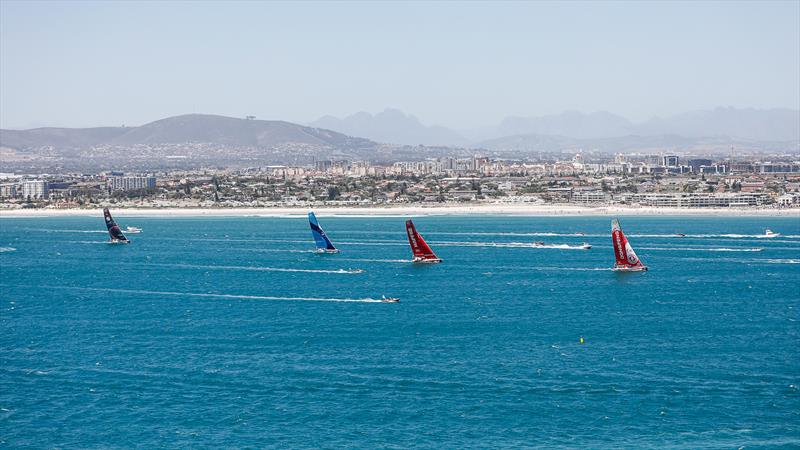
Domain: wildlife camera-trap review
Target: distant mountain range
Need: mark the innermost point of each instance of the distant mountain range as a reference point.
(199, 128)
(769, 125)
(392, 126)
(198, 139)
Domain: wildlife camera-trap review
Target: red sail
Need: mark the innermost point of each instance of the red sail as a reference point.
(418, 245)
(623, 252)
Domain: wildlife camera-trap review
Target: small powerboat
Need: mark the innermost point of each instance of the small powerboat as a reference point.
(133, 230)
(770, 234)
(586, 246)
(538, 244)
(385, 299)
(680, 235)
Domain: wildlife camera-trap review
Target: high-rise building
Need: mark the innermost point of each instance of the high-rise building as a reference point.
(35, 190)
(8, 190)
(671, 161)
(131, 183)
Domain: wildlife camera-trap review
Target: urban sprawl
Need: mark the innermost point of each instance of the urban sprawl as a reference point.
(624, 179)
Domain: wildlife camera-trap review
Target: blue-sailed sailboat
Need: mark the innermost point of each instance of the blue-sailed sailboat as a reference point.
(324, 245)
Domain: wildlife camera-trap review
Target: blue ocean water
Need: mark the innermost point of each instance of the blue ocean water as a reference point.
(212, 332)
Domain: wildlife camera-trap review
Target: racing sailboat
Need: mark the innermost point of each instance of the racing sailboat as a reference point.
(627, 261)
(113, 229)
(422, 252)
(324, 245)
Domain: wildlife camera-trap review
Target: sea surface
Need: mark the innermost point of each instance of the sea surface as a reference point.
(230, 332)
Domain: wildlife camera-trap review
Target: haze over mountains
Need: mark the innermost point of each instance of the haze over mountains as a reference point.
(769, 125)
(199, 139)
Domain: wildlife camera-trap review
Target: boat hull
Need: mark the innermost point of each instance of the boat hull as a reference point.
(426, 261)
(630, 269)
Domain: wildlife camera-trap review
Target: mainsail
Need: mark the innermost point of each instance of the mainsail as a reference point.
(422, 252)
(626, 258)
(320, 238)
(113, 229)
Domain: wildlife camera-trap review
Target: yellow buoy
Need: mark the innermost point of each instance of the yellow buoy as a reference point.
(581, 339)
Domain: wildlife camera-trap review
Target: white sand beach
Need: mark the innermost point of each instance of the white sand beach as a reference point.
(410, 210)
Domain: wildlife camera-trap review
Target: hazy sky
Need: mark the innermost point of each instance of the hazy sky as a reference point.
(454, 64)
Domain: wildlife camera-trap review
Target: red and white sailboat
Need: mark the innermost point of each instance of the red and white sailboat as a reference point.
(422, 252)
(627, 261)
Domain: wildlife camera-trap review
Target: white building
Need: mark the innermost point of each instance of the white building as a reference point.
(35, 190)
(131, 183)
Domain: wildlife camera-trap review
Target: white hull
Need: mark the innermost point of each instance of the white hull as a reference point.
(426, 261)
(325, 251)
(629, 269)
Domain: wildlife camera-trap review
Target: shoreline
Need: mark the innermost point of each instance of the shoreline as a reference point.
(406, 210)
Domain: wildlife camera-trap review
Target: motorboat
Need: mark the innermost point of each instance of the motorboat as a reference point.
(770, 234)
(133, 230)
(385, 299)
(586, 246)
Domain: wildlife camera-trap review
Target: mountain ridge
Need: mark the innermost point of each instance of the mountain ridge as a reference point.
(775, 124)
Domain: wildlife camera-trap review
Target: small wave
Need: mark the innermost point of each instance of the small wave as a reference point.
(778, 261)
(7, 249)
(211, 295)
(257, 268)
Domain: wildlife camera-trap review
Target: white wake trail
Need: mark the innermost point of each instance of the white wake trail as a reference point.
(257, 268)
(209, 295)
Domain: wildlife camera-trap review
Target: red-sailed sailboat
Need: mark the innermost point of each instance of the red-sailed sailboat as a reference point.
(422, 252)
(627, 261)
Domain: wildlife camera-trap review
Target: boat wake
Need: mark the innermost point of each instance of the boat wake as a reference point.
(275, 250)
(211, 295)
(68, 231)
(509, 245)
(259, 269)
(7, 249)
(709, 249)
(548, 268)
(376, 260)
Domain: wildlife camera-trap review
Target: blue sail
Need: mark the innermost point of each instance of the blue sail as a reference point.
(320, 238)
